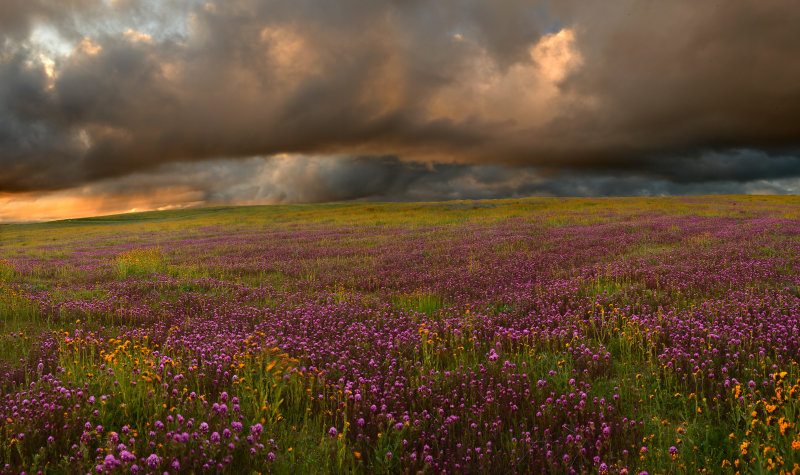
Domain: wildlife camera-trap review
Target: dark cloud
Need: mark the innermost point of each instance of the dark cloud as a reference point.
(651, 97)
(741, 165)
(34, 146)
(681, 76)
(312, 179)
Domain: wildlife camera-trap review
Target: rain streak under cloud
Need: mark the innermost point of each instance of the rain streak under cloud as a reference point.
(107, 106)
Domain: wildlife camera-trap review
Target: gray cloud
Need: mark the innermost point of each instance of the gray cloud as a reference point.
(648, 97)
(680, 76)
(741, 165)
(311, 179)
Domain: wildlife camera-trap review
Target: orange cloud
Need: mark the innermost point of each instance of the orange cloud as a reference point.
(527, 93)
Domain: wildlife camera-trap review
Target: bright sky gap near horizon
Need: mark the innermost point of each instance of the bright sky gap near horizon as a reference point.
(113, 105)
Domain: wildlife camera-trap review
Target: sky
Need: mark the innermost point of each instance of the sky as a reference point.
(110, 106)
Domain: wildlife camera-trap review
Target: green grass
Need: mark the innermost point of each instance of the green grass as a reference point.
(548, 211)
(421, 302)
(139, 262)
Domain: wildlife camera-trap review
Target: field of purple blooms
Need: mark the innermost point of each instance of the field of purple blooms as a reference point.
(515, 336)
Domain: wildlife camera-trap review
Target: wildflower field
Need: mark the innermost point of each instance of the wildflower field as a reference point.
(532, 336)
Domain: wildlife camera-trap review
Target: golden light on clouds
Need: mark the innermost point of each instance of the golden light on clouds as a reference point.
(87, 47)
(527, 92)
(137, 36)
(557, 55)
(49, 66)
(386, 83)
(289, 53)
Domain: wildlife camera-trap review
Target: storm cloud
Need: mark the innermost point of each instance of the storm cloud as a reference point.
(283, 179)
(670, 96)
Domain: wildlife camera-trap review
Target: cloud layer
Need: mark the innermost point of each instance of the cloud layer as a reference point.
(308, 179)
(691, 94)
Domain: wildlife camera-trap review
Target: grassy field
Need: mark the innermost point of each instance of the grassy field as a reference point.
(534, 335)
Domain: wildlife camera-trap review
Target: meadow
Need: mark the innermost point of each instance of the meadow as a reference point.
(540, 335)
